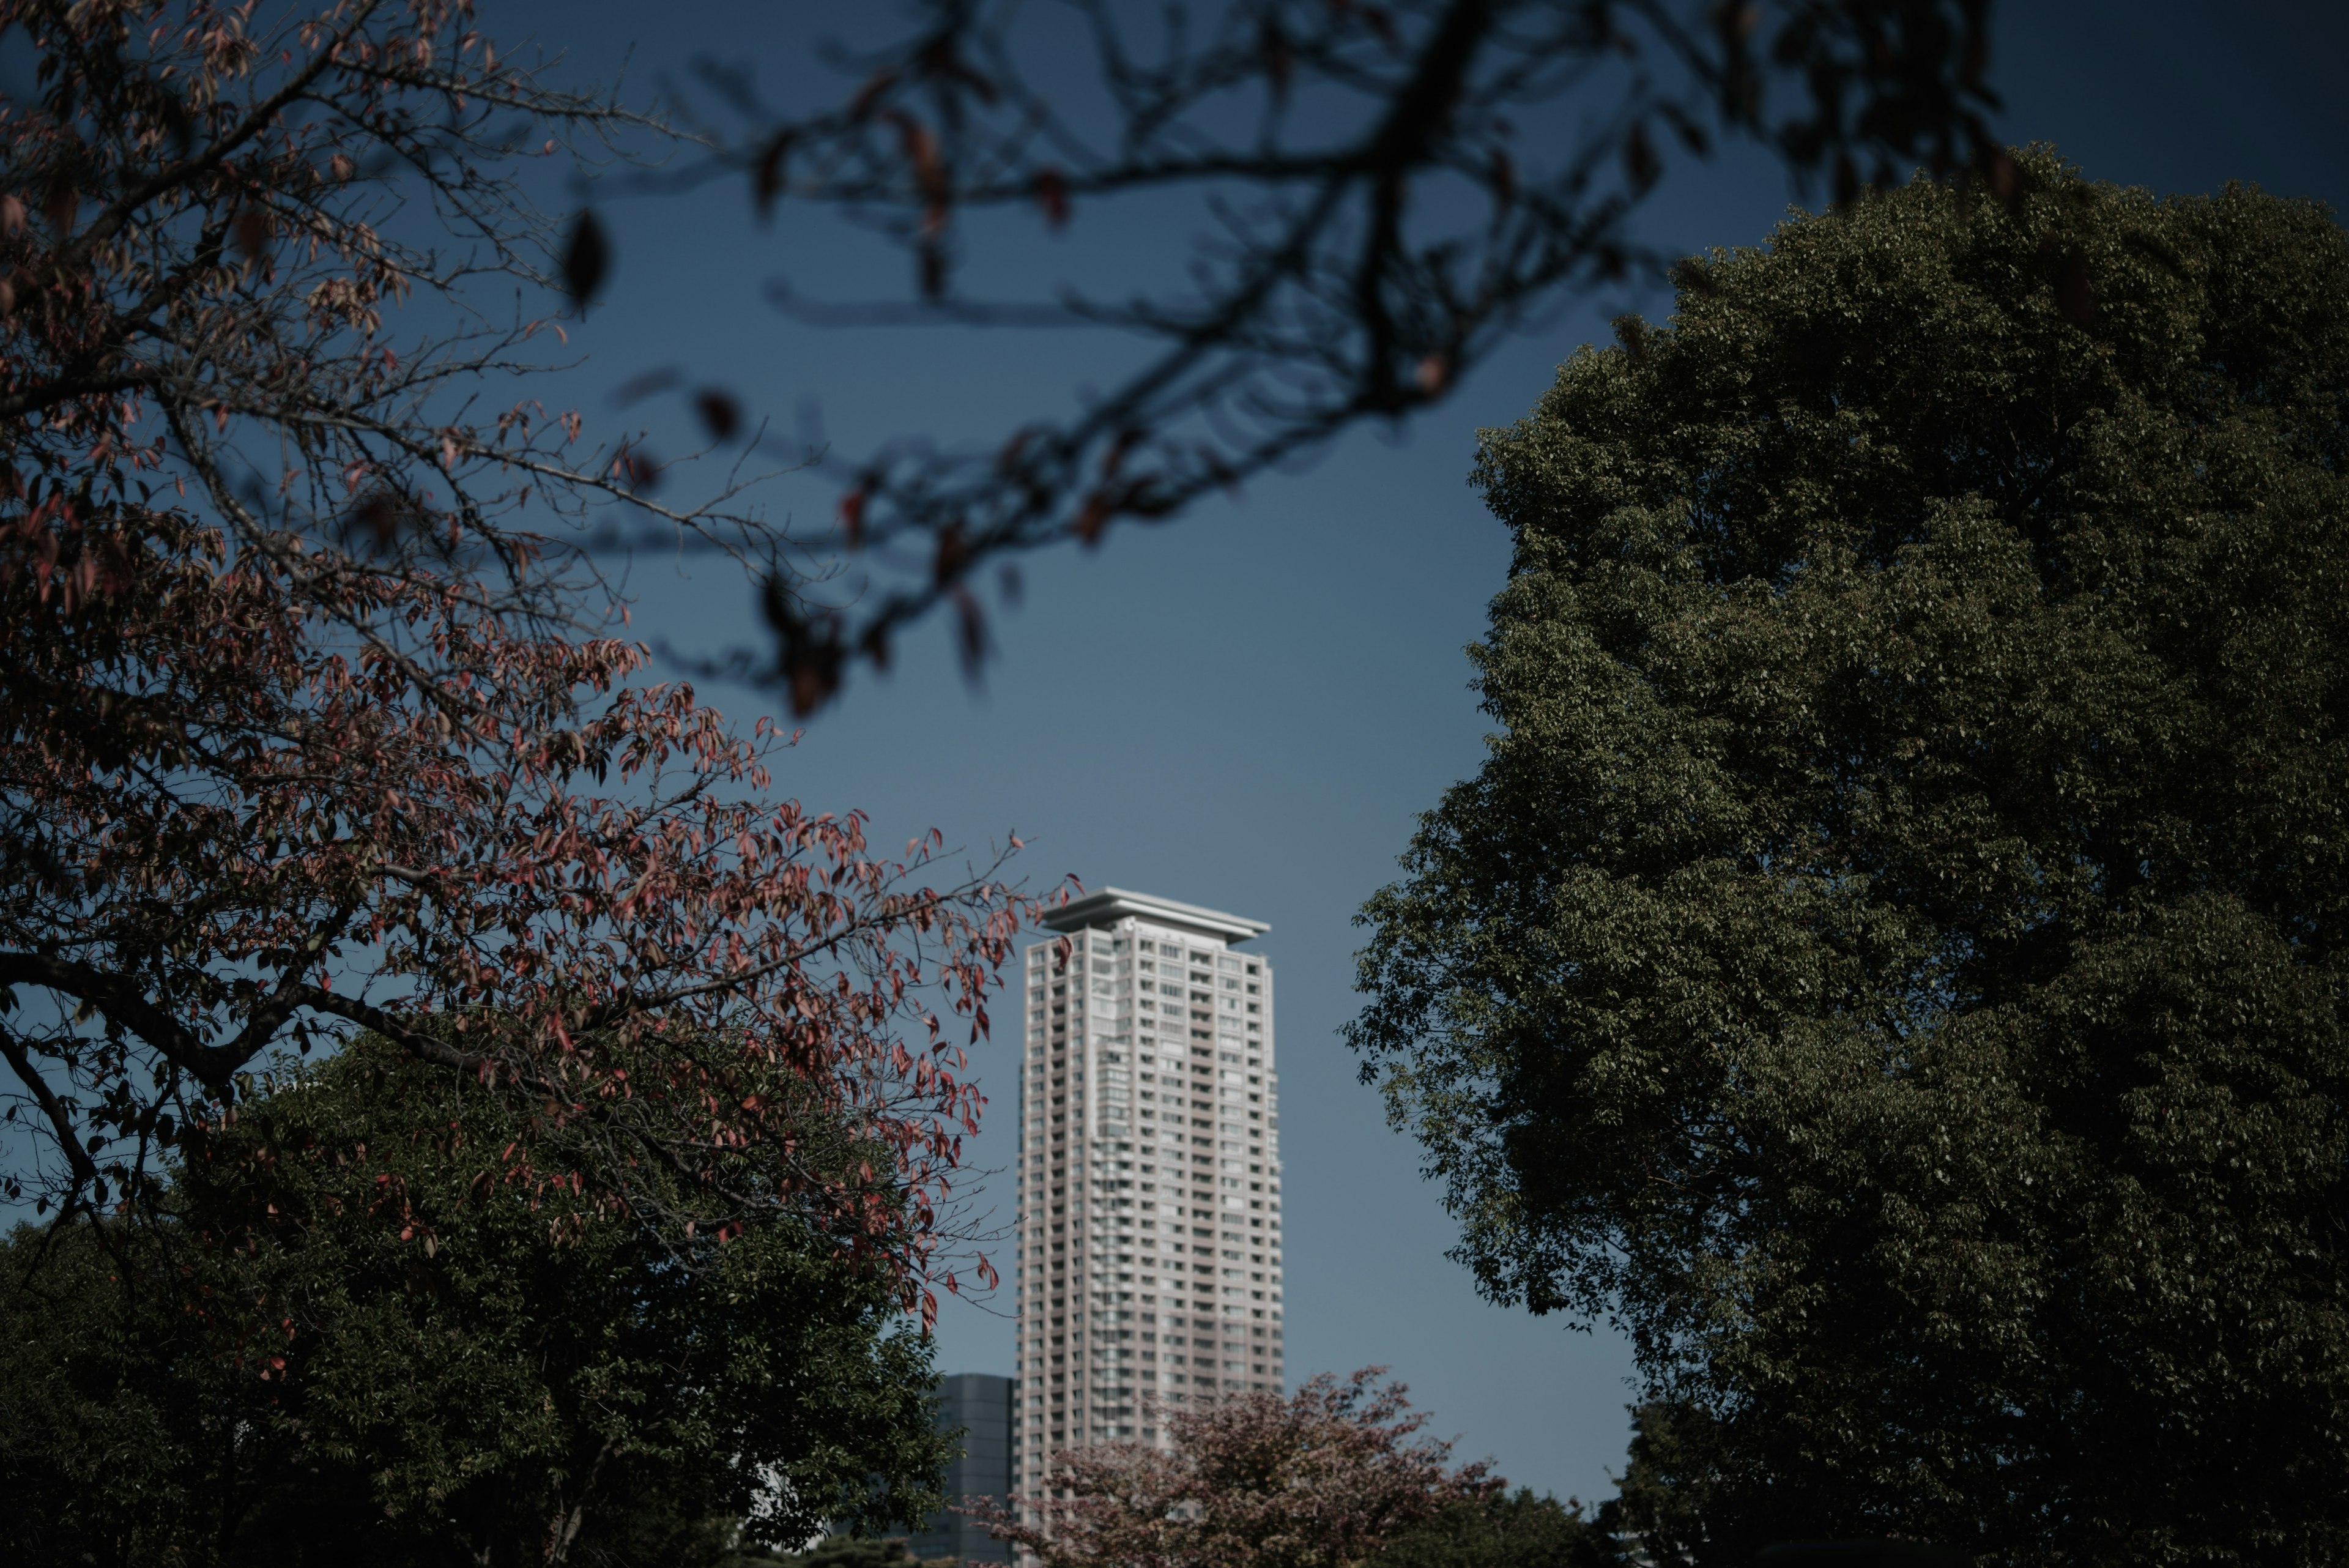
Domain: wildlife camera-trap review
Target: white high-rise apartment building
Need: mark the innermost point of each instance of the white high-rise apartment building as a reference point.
(1149, 1251)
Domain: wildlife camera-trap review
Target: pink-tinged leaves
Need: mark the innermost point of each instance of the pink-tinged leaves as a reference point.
(1321, 1480)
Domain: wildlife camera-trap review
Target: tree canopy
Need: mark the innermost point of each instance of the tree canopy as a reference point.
(1505, 1530)
(307, 725)
(282, 1373)
(1891, 960)
(1322, 1479)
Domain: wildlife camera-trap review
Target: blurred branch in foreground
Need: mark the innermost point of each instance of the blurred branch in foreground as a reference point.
(1389, 192)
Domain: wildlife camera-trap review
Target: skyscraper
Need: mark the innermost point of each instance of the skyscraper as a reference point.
(1149, 1250)
(980, 1403)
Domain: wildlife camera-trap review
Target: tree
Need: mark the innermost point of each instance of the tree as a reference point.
(857, 1552)
(303, 729)
(1320, 1480)
(532, 1384)
(1504, 1529)
(1387, 193)
(1890, 962)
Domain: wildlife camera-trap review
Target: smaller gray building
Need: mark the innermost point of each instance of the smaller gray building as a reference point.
(980, 1403)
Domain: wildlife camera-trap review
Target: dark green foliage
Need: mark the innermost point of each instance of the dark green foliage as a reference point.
(856, 1551)
(1891, 960)
(339, 1348)
(1508, 1529)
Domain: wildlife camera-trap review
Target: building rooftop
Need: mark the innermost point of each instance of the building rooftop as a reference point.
(1115, 903)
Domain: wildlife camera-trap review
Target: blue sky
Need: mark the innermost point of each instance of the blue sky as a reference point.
(1244, 709)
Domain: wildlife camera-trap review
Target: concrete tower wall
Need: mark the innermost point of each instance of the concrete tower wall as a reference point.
(1149, 1254)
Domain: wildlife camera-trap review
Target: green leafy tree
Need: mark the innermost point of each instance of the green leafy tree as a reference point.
(352, 1343)
(1890, 962)
(858, 1552)
(1505, 1530)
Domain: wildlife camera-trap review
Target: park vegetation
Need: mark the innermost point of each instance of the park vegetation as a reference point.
(271, 1371)
(1891, 963)
(1891, 960)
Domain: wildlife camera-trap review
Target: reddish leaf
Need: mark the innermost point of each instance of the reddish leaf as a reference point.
(2074, 296)
(870, 93)
(1052, 196)
(2005, 178)
(635, 468)
(971, 631)
(60, 202)
(954, 555)
(253, 228)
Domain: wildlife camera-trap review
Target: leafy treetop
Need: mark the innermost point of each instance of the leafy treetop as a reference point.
(1891, 960)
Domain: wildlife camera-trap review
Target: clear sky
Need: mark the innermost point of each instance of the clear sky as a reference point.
(1244, 709)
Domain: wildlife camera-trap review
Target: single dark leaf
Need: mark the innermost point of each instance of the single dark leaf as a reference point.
(2074, 296)
(1640, 161)
(253, 227)
(378, 515)
(61, 202)
(971, 631)
(2005, 178)
(587, 259)
(1052, 196)
(767, 175)
(722, 416)
(954, 555)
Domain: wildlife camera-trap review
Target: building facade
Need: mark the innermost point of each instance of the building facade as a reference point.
(1149, 1252)
(980, 1403)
